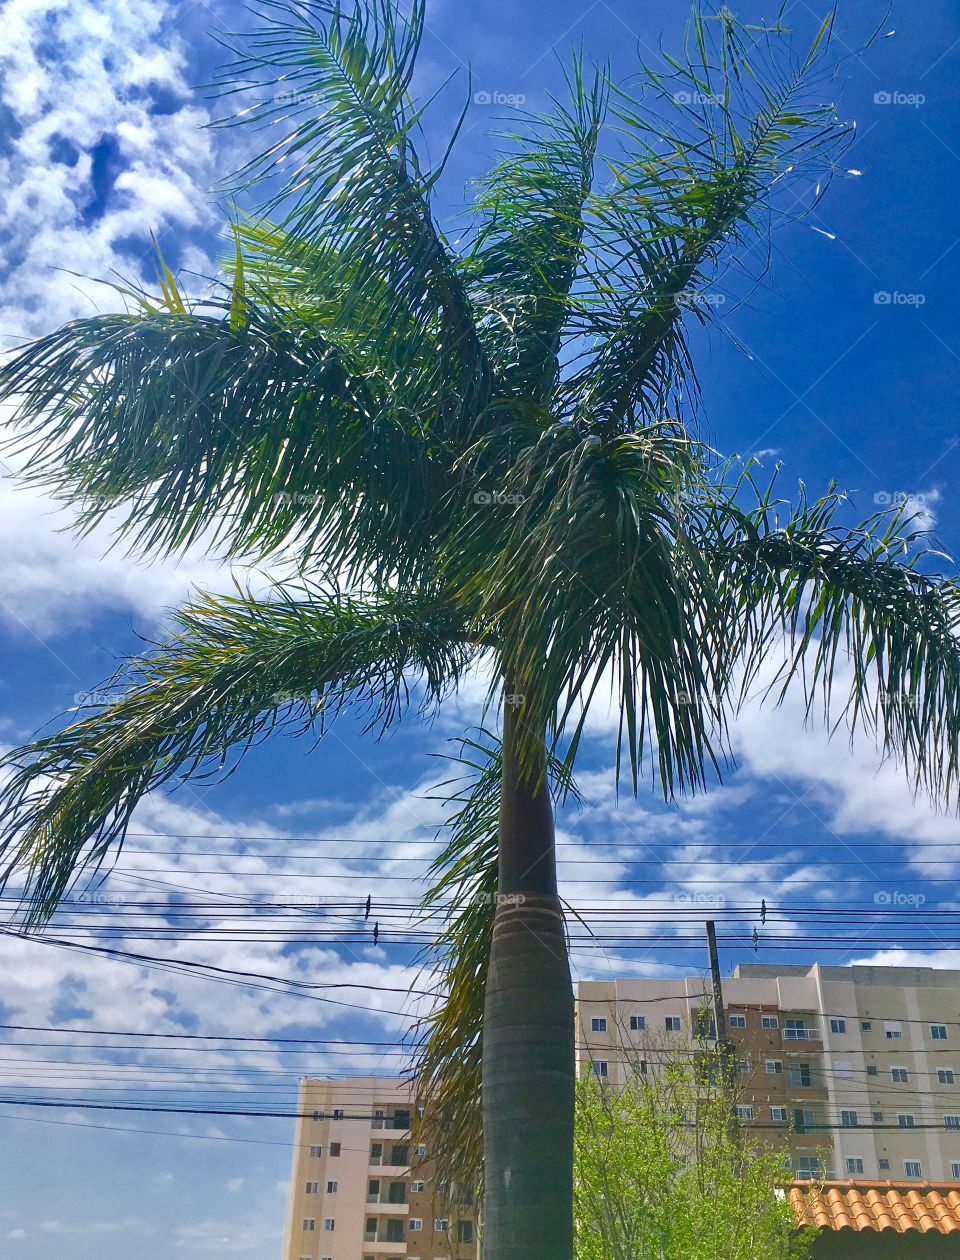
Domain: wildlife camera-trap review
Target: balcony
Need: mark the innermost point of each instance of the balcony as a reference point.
(378, 1247)
(386, 1207)
(381, 1236)
(802, 1034)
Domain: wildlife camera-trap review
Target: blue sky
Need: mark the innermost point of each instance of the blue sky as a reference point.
(101, 141)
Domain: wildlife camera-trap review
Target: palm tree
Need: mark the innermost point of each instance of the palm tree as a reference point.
(477, 456)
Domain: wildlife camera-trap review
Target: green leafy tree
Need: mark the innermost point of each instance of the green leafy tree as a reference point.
(478, 455)
(661, 1173)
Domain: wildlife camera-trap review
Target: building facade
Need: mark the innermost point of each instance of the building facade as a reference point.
(360, 1188)
(855, 1071)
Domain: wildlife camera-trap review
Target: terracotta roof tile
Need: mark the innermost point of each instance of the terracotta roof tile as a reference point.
(878, 1205)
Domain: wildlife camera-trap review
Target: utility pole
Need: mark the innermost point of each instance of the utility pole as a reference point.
(728, 1062)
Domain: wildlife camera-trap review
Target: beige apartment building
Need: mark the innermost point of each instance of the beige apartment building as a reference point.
(855, 1071)
(361, 1189)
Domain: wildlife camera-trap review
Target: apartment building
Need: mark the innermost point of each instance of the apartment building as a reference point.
(855, 1071)
(360, 1188)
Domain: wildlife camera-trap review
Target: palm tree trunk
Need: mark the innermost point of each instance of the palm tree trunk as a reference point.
(529, 1073)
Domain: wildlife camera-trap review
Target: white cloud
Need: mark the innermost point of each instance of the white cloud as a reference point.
(69, 101)
(234, 1184)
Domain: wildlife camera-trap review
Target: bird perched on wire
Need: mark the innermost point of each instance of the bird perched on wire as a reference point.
(366, 913)
(763, 911)
(376, 933)
(756, 940)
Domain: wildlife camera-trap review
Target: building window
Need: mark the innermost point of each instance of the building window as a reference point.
(638, 1023)
(465, 1231)
(955, 1170)
(672, 1023)
(331, 1187)
(911, 1168)
(865, 1025)
(598, 1023)
(804, 1119)
(743, 1065)
(318, 1115)
(743, 1111)
(417, 1187)
(938, 1032)
(421, 1149)
(877, 1117)
(849, 1119)
(643, 1067)
(905, 1120)
(844, 1071)
(600, 1068)
(334, 1149)
(328, 1224)
(313, 1187)
(900, 1075)
(309, 1224)
(416, 1224)
(737, 1021)
(872, 1069)
(797, 1030)
(338, 1113)
(779, 1114)
(854, 1165)
(808, 1166)
(838, 1025)
(945, 1076)
(892, 1030)
(951, 1122)
(883, 1164)
(769, 1021)
(800, 1074)
(440, 1225)
(773, 1067)
(316, 1152)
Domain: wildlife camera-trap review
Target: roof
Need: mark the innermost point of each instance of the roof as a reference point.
(878, 1205)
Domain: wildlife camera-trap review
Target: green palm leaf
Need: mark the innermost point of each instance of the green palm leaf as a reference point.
(236, 670)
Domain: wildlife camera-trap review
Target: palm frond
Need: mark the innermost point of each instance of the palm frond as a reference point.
(239, 425)
(838, 600)
(236, 669)
(463, 897)
(331, 87)
(708, 152)
(529, 246)
(594, 580)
